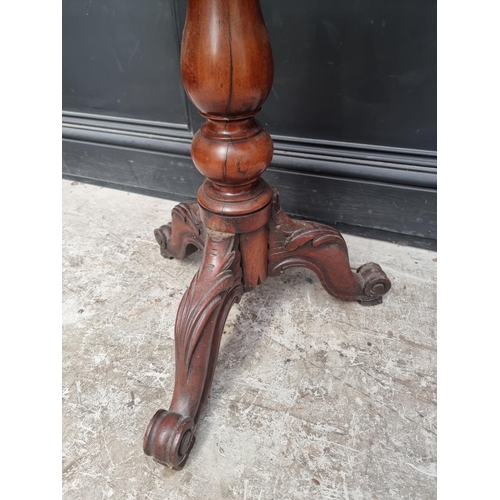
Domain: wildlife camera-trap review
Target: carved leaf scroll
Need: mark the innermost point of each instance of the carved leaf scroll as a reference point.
(207, 293)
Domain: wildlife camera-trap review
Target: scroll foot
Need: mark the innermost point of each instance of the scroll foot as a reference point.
(169, 438)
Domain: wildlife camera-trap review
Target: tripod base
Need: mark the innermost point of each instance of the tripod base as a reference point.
(230, 268)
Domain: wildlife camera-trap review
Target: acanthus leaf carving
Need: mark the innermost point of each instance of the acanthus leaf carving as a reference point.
(321, 248)
(184, 234)
(218, 275)
(290, 235)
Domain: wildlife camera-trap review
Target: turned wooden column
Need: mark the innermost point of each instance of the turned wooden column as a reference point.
(227, 70)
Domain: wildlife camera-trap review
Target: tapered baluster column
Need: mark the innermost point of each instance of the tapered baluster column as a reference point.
(227, 70)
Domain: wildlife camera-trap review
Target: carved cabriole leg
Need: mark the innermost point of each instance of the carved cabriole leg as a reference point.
(322, 248)
(198, 330)
(184, 235)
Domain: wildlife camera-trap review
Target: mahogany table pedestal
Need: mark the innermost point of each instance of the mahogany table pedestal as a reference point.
(227, 70)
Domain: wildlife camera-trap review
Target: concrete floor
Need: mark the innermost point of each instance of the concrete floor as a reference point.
(312, 397)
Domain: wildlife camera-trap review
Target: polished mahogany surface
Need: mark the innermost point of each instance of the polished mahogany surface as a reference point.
(237, 222)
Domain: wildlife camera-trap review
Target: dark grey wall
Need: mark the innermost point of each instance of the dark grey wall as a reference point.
(352, 109)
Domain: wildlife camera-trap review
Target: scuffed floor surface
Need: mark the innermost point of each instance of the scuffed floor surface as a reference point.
(313, 397)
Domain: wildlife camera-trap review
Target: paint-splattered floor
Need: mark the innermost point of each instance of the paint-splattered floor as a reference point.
(312, 398)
